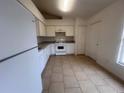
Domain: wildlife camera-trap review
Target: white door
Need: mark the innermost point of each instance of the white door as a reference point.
(70, 48)
(80, 40)
(94, 40)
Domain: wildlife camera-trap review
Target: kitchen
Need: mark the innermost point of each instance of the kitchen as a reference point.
(59, 35)
(58, 38)
(48, 48)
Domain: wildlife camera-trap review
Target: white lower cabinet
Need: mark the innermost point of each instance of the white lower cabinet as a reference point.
(70, 48)
(44, 55)
(52, 49)
(42, 59)
(50, 31)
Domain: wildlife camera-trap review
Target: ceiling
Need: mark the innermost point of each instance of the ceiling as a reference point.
(81, 8)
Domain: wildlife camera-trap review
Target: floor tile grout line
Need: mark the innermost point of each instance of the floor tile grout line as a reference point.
(50, 77)
(76, 80)
(71, 64)
(84, 80)
(69, 87)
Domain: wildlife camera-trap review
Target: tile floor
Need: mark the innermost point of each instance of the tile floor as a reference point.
(78, 74)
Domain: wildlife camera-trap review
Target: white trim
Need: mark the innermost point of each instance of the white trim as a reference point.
(120, 49)
(120, 63)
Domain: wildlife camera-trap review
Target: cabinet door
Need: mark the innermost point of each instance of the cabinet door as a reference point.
(60, 29)
(70, 48)
(69, 30)
(42, 29)
(37, 27)
(42, 60)
(50, 30)
(53, 49)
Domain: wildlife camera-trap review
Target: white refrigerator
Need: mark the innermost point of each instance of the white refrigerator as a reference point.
(19, 61)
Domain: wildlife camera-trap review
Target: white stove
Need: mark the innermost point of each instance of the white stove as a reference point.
(60, 48)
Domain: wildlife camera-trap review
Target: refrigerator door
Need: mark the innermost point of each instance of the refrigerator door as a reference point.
(21, 74)
(17, 31)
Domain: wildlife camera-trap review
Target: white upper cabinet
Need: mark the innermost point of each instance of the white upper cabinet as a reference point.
(60, 29)
(41, 30)
(69, 30)
(50, 30)
(64, 25)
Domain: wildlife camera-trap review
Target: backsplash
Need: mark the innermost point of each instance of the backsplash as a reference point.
(42, 39)
(60, 37)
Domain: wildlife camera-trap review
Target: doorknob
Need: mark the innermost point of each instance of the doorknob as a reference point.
(33, 21)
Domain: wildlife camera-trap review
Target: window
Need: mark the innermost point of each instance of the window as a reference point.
(120, 59)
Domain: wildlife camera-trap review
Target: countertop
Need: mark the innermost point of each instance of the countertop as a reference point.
(45, 44)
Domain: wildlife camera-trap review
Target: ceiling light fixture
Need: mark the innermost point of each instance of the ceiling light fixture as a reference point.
(66, 5)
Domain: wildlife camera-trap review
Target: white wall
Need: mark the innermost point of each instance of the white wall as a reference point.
(60, 22)
(32, 8)
(109, 35)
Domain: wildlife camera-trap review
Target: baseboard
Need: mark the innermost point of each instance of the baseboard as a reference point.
(109, 72)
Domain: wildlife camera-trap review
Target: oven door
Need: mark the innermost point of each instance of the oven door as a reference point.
(60, 47)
